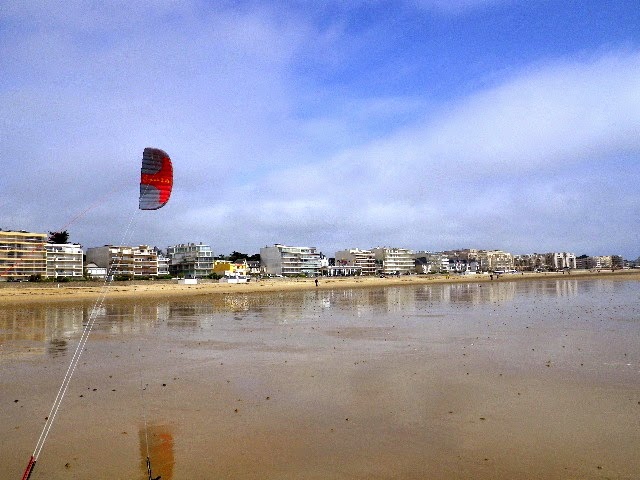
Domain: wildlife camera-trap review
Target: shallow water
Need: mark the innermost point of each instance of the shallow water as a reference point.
(537, 379)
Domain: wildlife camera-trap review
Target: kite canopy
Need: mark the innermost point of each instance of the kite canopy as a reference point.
(156, 179)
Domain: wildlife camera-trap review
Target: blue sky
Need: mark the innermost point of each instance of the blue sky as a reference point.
(423, 124)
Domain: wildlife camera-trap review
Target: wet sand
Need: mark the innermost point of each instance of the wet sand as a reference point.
(501, 380)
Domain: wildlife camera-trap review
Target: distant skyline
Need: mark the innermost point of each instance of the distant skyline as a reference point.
(422, 124)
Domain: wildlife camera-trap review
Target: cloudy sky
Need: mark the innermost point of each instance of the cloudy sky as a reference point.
(423, 124)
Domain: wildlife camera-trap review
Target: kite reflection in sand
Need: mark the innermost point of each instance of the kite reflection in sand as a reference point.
(159, 441)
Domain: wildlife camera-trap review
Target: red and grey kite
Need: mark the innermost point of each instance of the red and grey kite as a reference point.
(156, 179)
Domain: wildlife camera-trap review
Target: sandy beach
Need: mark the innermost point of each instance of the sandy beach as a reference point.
(92, 291)
(529, 376)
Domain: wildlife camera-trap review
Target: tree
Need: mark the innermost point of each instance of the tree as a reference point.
(237, 256)
(58, 237)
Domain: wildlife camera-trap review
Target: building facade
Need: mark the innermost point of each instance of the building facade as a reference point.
(117, 259)
(529, 262)
(145, 261)
(364, 261)
(94, 272)
(22, 255)
(190, 260)
(64, 260)
(551, 261)
(163, 264)
(125, 261)
(474, 260)
(494, 261)
(394, 261)
(291, 261)
(560, 260)
(228, 268)
(431, 262)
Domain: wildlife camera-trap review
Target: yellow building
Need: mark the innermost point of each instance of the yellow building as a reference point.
(22, 254)
(226, 267)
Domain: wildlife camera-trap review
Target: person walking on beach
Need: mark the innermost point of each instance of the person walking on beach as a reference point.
(316, 282)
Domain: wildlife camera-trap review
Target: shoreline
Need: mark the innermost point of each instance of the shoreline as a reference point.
(89, 291)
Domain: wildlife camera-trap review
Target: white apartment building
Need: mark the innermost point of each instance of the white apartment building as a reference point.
(122, 260)
(163, 264)
(22, 254)
(364, 260)
(64, 260)
(494, 260)
(290, 261)
(145, 261)
(95, 272)
(190, 260)
(602, 261)
(561, 260)
(394, 261)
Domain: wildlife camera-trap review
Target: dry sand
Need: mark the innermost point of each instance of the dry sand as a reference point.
(90, 291)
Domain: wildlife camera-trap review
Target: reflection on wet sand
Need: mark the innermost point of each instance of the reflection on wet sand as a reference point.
(57, 347)
(52, 325)
(156, 443)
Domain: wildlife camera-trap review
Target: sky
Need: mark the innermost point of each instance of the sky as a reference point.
(421, 124)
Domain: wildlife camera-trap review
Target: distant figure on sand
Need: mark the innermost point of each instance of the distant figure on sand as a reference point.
(316, 282)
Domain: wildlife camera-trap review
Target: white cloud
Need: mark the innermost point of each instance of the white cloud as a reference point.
(266, 154)
(542, 129)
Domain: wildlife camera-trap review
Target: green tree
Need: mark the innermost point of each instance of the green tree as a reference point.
(58, 237)
(237, 256)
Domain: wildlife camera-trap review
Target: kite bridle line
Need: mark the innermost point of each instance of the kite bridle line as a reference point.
(95, 204)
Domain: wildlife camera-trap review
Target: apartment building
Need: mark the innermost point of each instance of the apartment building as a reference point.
(431, 262)
(291, 261)
(145, 261)
(529, 262)
(362, 260)
(126, 261)
(494, 260)
(163, 264)
(190, 260)
(117, 259)
(617, 261)
(22, 254)
(560, 260)
(394, 261)
(552, 261)
(472, 260)
(64, 260)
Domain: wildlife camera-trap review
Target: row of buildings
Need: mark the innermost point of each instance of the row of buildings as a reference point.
(28, 255)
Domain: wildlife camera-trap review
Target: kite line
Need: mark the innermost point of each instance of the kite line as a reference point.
(154, 194)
